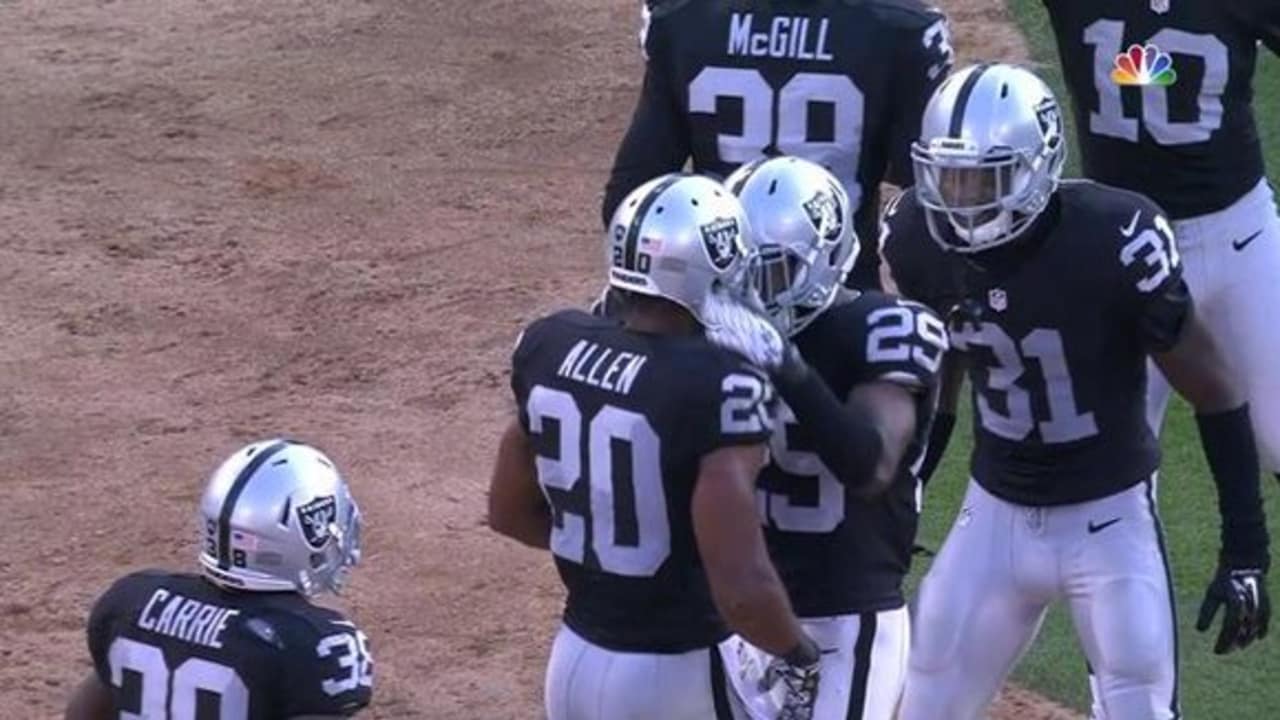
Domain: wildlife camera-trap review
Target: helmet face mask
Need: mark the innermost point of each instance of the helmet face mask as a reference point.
(277, 517)
(803, 224)
(985, 179)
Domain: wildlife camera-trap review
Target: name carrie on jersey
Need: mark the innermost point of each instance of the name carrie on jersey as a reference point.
(787, 36)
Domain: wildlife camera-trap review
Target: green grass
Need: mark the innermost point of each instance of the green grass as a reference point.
(1244, 685)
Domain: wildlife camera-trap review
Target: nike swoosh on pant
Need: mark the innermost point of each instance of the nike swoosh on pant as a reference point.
(1241, 244)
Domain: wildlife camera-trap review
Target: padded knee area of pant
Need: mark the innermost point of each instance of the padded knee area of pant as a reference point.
(1133, 632)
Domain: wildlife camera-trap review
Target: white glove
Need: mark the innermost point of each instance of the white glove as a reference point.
(800, 683)
(733, 325)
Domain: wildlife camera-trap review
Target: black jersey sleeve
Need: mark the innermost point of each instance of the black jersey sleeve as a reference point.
(919, 268)
(327, 666)
(109, 606)
(904, 342)
(657, 141)
(733, 403)
(1259, 19)
(526, 345)
(1151, 279)
(925, 58)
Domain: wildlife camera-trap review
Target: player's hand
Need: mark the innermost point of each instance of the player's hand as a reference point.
(800, 679)
(1243, 594)
(733, 324)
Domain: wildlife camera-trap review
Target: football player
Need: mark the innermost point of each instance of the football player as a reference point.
(633, 456)
(839, 82)
(838, 497)
(1163, 94)
(1062, 290)
(241, 640)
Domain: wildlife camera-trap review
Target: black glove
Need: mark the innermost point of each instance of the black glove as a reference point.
(798, 672)
(1248, 608)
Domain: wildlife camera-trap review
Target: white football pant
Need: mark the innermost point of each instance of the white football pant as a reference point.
(864, 665)
(982, 602)
(1236, 294)
(588, 682)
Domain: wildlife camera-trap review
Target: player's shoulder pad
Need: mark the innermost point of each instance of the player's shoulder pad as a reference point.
(538, 331)
(136, 584)
(903, 14)
(1092, 199)
(663, 8)
(295, 627)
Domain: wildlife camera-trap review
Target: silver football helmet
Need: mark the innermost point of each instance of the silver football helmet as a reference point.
(277, 516)
(803, 225)
(679, 237)
(989, 156)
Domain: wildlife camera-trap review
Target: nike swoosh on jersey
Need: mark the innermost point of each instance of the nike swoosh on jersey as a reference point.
(1102, 526)
(1127, 230)
(1241, 244)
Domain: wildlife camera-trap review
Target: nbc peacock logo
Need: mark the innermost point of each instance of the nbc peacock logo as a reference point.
(1143, 65)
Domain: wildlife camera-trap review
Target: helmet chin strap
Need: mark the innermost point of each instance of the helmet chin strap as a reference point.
(985, 233)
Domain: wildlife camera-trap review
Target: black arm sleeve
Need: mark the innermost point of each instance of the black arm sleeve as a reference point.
(939, 437)
(657, 141)
(1229, 447)
(846, 440)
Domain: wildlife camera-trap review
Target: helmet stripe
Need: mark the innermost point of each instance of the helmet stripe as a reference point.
(233, 495)
(633, 232)
(962, 99)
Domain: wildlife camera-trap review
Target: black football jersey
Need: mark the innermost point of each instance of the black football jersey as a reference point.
(840, 82)
(1056, 327)
(173, 645)
(1187, 137)
(620, 421)
(836, 553)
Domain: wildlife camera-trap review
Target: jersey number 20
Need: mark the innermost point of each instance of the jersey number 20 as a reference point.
(639, 545)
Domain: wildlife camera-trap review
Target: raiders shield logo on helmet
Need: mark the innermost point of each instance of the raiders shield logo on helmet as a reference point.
(1050, 119)
(315, 518)
(824, 213)
(1159, 7)
(722, 238)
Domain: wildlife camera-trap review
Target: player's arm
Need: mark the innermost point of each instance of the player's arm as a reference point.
(744, 583)
(954, 366)
(90, 701)
(517, 507)
(657, 141)
(925, 60)
(1187, 355)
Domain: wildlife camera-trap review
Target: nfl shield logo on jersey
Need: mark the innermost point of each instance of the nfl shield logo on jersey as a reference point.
(1160, 6)
(315, 518)
(997, 299)
(721, 238)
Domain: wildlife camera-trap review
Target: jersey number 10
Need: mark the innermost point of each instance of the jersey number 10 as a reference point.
(1107, 39)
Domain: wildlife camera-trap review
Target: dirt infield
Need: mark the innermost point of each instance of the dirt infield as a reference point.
(225, 220)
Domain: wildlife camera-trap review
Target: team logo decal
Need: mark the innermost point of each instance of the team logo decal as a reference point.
(1050, 118)
(721, 238)
(1160, 7)
(315, 518)
(997, 299)
(824, 214)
